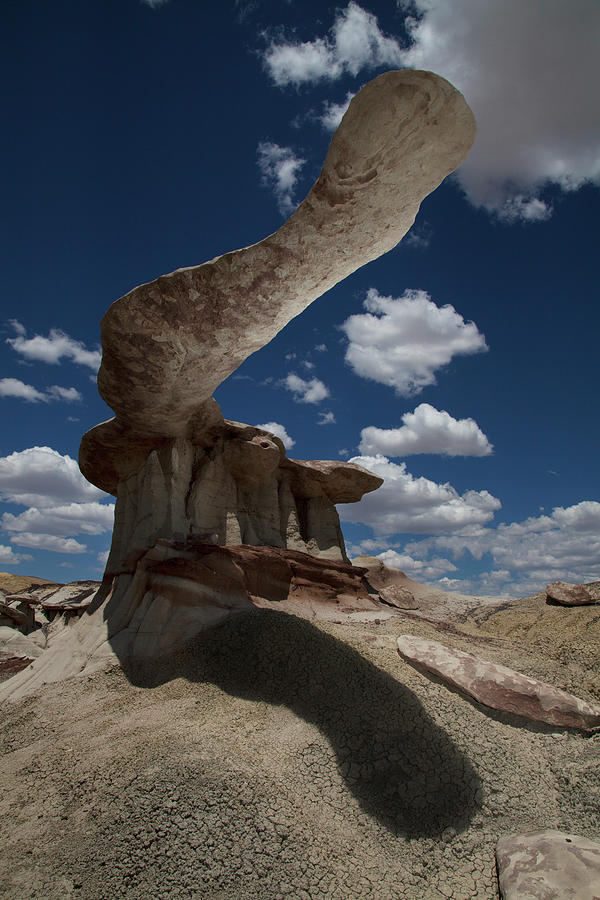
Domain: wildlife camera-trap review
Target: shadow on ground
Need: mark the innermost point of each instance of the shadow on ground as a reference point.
(402, 768)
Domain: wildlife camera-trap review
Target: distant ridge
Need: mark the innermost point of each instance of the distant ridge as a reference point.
(11, 583)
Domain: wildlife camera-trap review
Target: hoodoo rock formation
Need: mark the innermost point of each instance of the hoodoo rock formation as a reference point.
(185, 477)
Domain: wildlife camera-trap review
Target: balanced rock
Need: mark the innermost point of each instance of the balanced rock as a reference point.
(548, 864)
(15, 614)
(179, 470)
(499, 687)
(169, 344)
(568, 594)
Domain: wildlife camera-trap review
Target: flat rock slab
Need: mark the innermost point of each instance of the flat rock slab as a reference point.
(548, 865)
(568, 594)
(75, 595)
(499, 687)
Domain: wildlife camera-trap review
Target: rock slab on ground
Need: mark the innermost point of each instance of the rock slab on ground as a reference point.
(548, 865)
(568, 594)
(499, 687)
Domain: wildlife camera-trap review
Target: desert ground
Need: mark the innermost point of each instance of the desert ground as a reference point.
(277, 756)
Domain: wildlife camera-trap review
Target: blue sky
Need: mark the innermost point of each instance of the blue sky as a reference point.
(462, 366)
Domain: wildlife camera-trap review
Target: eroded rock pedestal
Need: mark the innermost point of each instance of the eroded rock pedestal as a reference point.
(233, 485)
(184, 477)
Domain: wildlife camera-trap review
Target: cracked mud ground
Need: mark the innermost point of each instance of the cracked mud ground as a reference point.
(281, 758)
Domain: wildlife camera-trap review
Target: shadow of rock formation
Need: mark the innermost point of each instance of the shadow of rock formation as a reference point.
(402, 768)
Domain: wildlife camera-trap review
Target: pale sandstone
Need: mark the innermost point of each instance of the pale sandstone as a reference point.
(179, 470)
(548, 864)
(14, 645)
(167, 345)
(499, 687)
(241, 489)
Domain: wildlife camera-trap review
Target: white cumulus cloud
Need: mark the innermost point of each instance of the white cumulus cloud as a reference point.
(279, 431)
(49, 542)
(68, 519)
(312, 391)
(333, 113)
(529, 71)
(402, 342)
(54, 348)
(527, 555)
(9, 558)
(355, 42)
(13, 387)
(279, 167)
(426, 430)
(420, 570)
(42, 477)
(69, 395)
(405, 504)
(326, 418)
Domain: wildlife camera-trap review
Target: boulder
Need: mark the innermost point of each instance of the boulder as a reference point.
(400, 597)
(499, 687)
(568, 594)
(548, 864)
(392, 585)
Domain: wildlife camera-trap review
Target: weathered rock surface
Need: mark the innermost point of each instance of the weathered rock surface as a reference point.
(73, 597)
(499, 687)
(17, 614)
(548, 865)
(568, 594)
(167, 345)
(184, 476)
(240, 488)
(16, 652)
(37, 604)
(14, 645)
(180, 589)
(392, 585)
(398, 596)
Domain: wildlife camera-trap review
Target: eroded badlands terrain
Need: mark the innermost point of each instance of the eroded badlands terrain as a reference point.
(281, 757)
